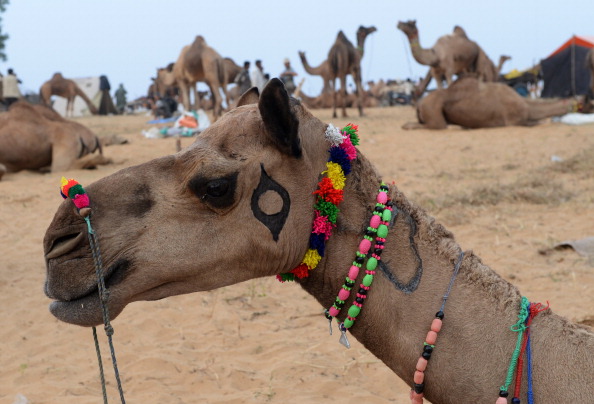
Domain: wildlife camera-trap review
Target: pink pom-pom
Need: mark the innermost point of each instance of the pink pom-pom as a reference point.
(421, 364)
(353, 272)
(364, 246)
(501, 400)
(343, 294)
(419, 377)
(81, 201)
(431, 338)
(382, 198)
(436, 325)
(375, 221)
(333, 311)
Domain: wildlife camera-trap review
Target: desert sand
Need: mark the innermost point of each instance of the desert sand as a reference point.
(502, 192)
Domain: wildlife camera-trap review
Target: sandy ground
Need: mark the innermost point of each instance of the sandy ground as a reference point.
(498, 190)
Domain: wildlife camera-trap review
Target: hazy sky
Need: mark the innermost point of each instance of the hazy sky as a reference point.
(127, 40)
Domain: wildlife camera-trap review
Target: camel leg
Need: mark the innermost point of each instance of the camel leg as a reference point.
(185, 92)
(359, 89)
(343, 95)
(334, 98)
(196, 97)
(216, 102)
(90, 161)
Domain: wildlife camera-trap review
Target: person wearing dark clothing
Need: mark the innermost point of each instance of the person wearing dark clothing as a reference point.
(120, 97)
(243, 78)
(106, 105)
(287, 77)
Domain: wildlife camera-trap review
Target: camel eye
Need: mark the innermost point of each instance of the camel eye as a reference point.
(216, 192)
(217, 188)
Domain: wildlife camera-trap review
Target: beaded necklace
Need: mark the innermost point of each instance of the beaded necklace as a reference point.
(378, 227)
(330, 194)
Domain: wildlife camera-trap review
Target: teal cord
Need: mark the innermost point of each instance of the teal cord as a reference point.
(519, 327)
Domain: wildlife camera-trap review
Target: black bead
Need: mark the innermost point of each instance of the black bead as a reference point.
(515, 400)
(503, 393)
(426, 355)
(338, 304)
(379, 209)
(327, 314)
(378, 251)
(360, 260)
(428, 348)
(359, 300)
(439, 315)
(384, 187)
(349, 284)
(379, 242)
(369, 233)
(418, 388)
(390, 203)
(362, 291)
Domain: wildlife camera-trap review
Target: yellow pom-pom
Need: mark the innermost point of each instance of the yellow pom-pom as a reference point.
(63, 181)
(335, 173)
(312, 258)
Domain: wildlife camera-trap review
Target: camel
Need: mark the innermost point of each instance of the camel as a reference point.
(345, 59)
(232, 69)
(35, 137)
(322, 70)
(451, 55)
(239, 203)
(472, 103)
(198, 62)
(66, 88)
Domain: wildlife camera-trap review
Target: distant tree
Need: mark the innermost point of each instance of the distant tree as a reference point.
(3, 37)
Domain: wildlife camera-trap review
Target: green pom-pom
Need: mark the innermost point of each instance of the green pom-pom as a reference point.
(328, 209)
(76, 190)
(352, 132)
(287, 277)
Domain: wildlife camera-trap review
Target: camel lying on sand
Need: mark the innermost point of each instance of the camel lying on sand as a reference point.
(35, 137)
(471, 103)
(66, 88)
(239, 203)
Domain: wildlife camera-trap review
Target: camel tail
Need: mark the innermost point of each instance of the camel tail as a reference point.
(82, 95)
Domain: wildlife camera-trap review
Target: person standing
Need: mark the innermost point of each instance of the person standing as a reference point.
(257, 76)
(120, 96)
(243, 78)
(287, 77)
(10, 88)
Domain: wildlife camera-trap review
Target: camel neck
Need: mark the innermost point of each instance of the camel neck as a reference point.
(475, 344)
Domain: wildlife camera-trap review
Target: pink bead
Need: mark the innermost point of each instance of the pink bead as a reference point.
(421, 364)
(364, 246)
(382, 198)
(431, 338)
(333, 311)
(436, 325)
(375, 221)
(343, 294)
(353, 272)
(501, 400)
(419, 377)
(416, 398)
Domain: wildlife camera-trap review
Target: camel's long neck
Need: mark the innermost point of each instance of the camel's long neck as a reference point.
(423, 56)
(315, 71)
(543, 109)
(474, 347)
(361, 44)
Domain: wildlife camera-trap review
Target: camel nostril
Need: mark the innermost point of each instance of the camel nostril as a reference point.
(64, 244)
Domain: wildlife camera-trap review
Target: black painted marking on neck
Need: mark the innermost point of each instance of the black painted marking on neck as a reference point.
(415, 281)
(274, 222)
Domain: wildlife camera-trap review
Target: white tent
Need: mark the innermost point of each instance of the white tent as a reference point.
(90, 86)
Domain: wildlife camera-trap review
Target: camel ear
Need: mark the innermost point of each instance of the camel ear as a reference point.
(281, 124)
(251, 96)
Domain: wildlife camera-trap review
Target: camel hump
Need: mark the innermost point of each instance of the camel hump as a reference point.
(57, 75)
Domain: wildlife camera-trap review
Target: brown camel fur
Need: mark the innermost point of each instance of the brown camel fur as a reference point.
(345, 59)
(472, 103)
(35, 137)
(198, 62)
(322, 70)
(238, 204)
(66, 88)
(451, 55)
(232, 69)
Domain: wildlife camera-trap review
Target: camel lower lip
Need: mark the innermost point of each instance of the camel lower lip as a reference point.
(85, 311)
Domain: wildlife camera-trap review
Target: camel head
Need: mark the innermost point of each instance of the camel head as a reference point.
(237, 204)
(301, 55)
(363, 32)
(408, 27)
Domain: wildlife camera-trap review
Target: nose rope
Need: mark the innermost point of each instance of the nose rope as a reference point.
(73, 190)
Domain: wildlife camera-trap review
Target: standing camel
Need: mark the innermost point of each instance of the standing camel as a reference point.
(66, 88)
(345, 59)
(198, 62)
(472, 103)
(239, 203)
(451, 55)
(322, 70)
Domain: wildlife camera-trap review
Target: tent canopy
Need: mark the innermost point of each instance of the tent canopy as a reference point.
(564, 71)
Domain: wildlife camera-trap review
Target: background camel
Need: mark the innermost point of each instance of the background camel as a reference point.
(254, 193)
(35, 137)
(344, 60)
(198, 62)
(232, 69)
(451, 55)
(472, 103)
(322, 70)
(66, 88)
